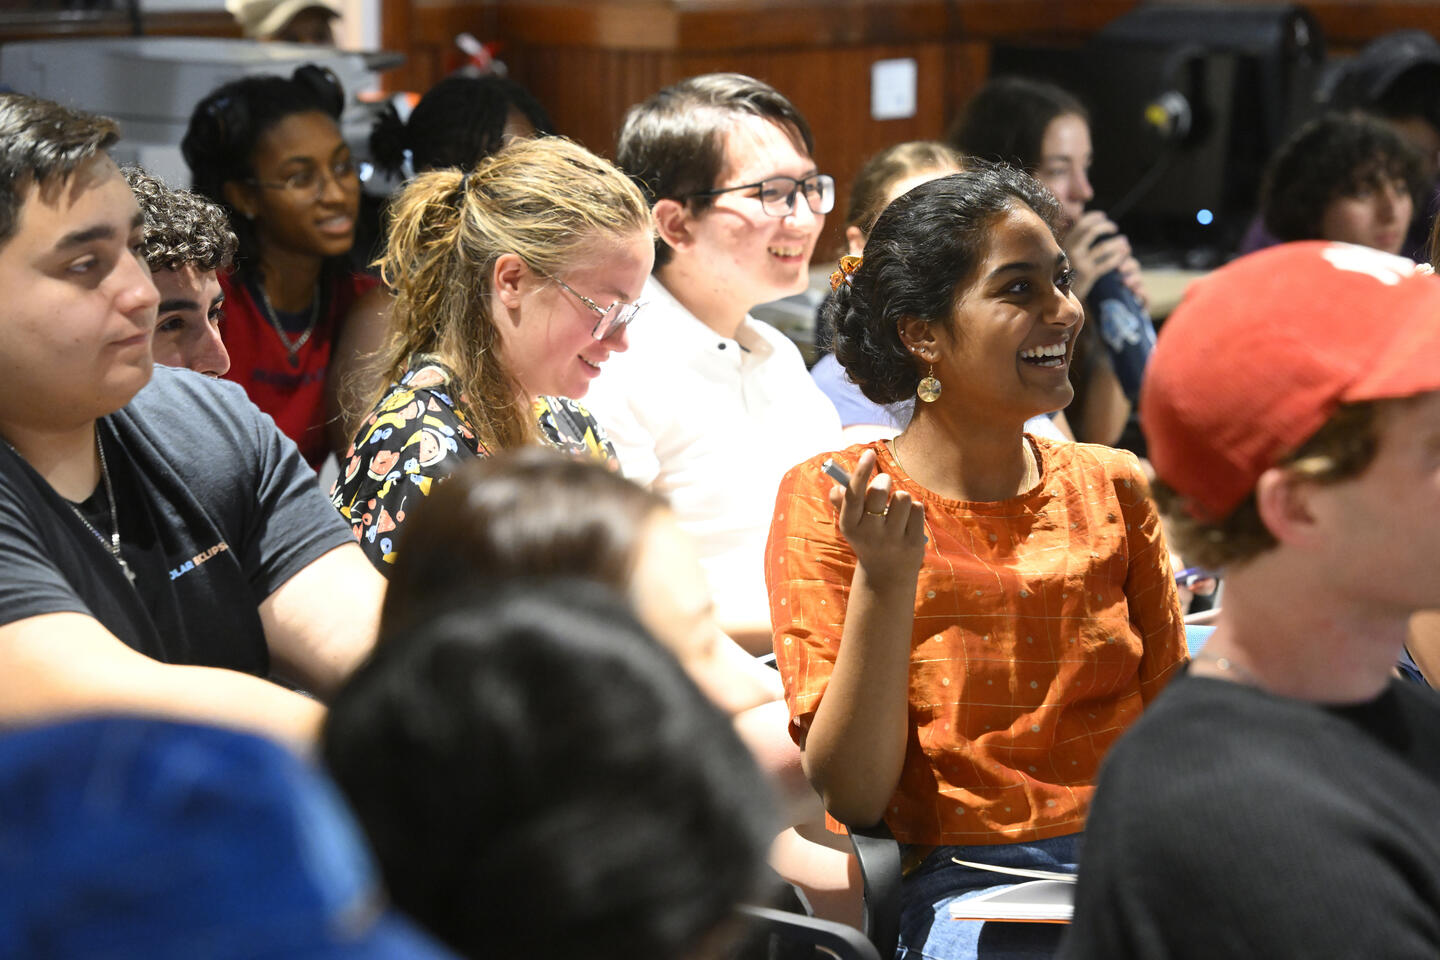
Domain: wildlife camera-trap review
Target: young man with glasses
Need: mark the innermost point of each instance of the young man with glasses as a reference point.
(710, 406)
(166, 548)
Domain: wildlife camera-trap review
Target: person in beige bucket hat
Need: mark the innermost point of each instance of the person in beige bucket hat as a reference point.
(291, 21)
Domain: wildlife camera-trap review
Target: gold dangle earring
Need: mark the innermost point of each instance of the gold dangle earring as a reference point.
(928, 389)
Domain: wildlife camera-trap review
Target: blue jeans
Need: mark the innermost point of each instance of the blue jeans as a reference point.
(926, 928)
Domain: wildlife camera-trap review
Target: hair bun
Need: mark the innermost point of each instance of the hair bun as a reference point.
(326, 86)
(388, 140)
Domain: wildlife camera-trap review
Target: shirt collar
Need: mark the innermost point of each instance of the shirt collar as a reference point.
(747, 338)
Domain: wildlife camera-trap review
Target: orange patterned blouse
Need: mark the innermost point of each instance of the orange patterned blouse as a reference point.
(1043, 625)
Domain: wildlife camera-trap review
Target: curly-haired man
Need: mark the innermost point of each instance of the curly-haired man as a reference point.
(187, 241)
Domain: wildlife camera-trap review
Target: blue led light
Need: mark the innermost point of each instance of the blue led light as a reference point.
(1204, 217)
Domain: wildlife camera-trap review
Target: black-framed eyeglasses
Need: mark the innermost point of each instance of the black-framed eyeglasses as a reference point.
(777, 194)
(311, 180)
(611, 319)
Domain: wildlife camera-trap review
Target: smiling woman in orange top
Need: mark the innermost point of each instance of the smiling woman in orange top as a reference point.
(962, 636)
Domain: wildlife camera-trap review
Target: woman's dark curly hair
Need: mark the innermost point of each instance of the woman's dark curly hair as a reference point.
(1337, 155)
(459, 122)
(925, 248)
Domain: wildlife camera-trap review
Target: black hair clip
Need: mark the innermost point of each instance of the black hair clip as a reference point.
(230, 117)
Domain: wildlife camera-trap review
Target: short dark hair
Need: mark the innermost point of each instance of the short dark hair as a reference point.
(673, 144)
(1006, 120)
(181, 228)
(458, 122)
(539, 778)
(43, 143)
(1336, 155)
(924, 249)
(225, 127)
(526, 512)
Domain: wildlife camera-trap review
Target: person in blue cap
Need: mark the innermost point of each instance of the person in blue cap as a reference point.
(143, 837)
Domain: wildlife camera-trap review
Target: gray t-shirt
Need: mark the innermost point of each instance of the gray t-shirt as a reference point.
(216, 510)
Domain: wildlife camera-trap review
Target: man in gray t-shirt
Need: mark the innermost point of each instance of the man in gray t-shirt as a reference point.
(165, 547)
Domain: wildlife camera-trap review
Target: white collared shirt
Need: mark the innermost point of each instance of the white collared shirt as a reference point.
(712, 424)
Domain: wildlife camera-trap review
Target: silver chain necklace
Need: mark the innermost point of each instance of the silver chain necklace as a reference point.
(292, 347)
(112, 543)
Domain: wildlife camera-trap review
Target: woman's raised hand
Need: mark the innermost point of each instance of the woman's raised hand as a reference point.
(1131, 273)
(885, 529)
(1091, 257)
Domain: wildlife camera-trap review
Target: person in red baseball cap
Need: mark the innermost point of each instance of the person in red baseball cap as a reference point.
(1280, 799)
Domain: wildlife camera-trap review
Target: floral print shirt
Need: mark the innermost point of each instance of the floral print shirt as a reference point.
(418, 435)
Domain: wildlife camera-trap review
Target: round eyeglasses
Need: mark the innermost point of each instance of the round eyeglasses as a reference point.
(777, 194)
(611, 319)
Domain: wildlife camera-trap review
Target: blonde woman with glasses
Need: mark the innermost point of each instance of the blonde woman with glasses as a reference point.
(513, 284)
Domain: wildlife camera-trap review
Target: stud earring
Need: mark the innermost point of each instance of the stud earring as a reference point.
(928, 389)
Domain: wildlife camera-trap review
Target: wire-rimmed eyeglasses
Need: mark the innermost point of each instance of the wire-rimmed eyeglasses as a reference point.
(777, 194)
(309, 181)
(611, 319)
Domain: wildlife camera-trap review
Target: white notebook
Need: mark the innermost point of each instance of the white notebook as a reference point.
(1048, 897)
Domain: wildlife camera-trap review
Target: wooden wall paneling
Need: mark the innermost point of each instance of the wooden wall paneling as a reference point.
(30, 25)
(695, 25)
(430, 47)
(1352, 25)
(191, 23)
(1349, 24)
(397, 33)
(588, 91)
(650, 25)
(813, 24)
(1054, 20)
(968, 67)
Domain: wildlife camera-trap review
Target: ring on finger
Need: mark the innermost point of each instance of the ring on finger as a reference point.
(876, 513)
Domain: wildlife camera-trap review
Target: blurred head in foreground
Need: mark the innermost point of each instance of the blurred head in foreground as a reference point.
(538, 777)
